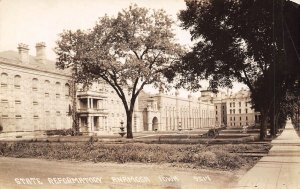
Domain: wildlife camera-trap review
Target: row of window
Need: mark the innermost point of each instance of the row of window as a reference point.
(233, 124)
(240, 118)
(240, 111)
(58, 113)
(5, 101)
(17, 83)
(232, 104)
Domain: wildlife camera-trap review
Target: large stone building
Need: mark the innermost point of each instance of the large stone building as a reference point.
(234, 109)
(34, 95)
(170, 113)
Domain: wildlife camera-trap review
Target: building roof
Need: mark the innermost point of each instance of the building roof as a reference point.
(12, 58)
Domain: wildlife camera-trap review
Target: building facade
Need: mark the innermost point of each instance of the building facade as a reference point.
(234, 109)
(163, 112)
(34, 94)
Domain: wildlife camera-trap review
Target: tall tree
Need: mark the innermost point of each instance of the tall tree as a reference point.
(237, 41)
(129, 51)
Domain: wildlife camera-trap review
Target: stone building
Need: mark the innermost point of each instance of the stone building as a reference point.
(239, 110)
(170, 113)
(34, 95)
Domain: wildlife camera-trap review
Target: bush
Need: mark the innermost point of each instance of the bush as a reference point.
(61, 132)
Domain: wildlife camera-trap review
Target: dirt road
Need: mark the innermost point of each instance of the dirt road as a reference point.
(36, 173)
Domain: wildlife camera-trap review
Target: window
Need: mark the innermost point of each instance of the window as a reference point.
(216, 112)
(240, 118)
(58, 113)
(240, 104)
(246, 110)
(233, 118)
(17, 81)
(18, 117)
(47, 87)
(35, 103)
(4, 79)
(240, 111)
(246, 104)
(233, 104)
(34, 84)
(17, 101)
(246, 118)
(35, 117)
(57, 89)
(230, 118)
(233, 111)
(4, 101)
(230, 104)
(5, 116)
(67, 90)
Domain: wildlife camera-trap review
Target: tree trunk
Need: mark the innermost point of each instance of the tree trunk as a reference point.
(263, 126)
(129, 123)
(73, 109)
(273, 123)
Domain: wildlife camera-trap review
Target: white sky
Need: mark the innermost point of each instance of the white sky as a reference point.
(32, 21)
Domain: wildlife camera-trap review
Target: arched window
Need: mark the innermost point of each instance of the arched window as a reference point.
(4, 79)
(57, 89)
(47, 88)
(67, 90)
(35, 84)
(17, 81)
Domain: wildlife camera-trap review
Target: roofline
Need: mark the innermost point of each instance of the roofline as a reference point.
(11, 62)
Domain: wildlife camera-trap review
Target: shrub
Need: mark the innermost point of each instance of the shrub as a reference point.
(61, 132)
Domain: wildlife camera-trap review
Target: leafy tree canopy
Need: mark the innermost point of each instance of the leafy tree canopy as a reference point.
(253, 42)
(129, 51)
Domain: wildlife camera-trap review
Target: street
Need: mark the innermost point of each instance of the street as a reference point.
(36, 173)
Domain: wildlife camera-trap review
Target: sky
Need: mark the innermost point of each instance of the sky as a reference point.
(32, 21)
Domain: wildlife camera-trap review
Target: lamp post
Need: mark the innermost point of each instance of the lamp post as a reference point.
(179, 126)
(122, 132)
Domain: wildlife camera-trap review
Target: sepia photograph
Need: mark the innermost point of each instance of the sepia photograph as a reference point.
(149, 94)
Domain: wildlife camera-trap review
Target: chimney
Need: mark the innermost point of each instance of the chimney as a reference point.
(40, 52)
(23, 53)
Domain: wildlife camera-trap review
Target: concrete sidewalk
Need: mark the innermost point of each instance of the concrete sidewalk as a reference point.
(280, 169)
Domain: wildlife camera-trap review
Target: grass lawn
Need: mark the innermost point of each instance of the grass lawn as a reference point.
(221, 156)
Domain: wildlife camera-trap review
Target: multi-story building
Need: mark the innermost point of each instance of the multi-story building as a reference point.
(239, 110)
(34, 95)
